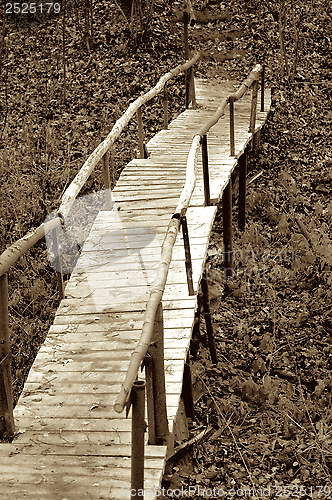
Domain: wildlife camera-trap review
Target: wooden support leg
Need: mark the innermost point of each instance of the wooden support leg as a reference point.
(107, 181)
(158, 397)
(205, 163)
(227, 230)
(6, 399)
(189, 268)
(137, 438)
(187, 392)
(58, 265)
(208, 322)
(242, 190)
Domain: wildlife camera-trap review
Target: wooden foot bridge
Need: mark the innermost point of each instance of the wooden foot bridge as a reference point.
(130, 300)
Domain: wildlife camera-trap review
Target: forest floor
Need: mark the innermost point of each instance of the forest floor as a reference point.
(266, 405)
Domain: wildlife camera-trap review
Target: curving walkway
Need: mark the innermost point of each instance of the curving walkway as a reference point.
(70, 442)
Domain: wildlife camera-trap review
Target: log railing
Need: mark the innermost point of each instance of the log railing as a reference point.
(20, 247)
(152, 330)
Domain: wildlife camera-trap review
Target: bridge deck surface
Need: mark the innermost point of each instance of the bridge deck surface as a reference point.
(70, 443)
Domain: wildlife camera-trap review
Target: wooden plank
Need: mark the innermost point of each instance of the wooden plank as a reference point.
(88, 400)
(123, 450)
(53, 386)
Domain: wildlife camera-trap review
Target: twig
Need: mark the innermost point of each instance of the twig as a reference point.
(189, 443)
(255, 177)
(230, 430)
(124, 15)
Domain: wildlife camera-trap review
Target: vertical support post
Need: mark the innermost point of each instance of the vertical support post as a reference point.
(158, 399)
(165, 106)
(231, 126)
(187, 392)
(137, 438)
(192, 88)
(186, 56)
(205, 162)
(262, 88)
(253, 107)
(107, 182)
(58, 266)
(189, 268)
(140, 133)
(148, 364)
(7, 427)
(242, 189)
(207, 317)
(227, 229)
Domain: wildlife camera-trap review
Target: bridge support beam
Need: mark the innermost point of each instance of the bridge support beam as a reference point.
(208, 321)
(227, 231)
(156, 388)
(242, 189)
(6, 399)
(137, 437)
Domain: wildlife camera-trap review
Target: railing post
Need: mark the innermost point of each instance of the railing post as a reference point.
(242, 189)
(186, 56)
(207, 317)
(187, 391)
(253, 107)
(262, 88)
(231, 126)
(155, 371)
(165, 106)
(192, 88)
(142, 149)
(107, 181)
(205, 162)
(227, 229)
(58, 265)
(7, 427)
(137, 438)
(189, 269)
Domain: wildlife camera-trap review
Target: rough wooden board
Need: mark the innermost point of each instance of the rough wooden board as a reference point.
(124, 450)
(84, 344)
(73, 463)
(147, 254)
(102, 331)
(173, 373)
(88, 400)
(53, 386)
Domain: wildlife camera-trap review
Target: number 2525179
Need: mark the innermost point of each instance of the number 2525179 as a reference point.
(33, 8)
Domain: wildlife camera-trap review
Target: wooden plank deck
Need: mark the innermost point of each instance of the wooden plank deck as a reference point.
(70, 442)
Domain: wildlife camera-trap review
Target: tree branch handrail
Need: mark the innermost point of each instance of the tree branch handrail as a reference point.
(80, 179)
(159, 283)
(21, 246)
(253, 76)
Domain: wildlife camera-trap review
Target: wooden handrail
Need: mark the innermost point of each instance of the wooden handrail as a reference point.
(18, 249)
(157, 289)
(80, 179)
(253, 76)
